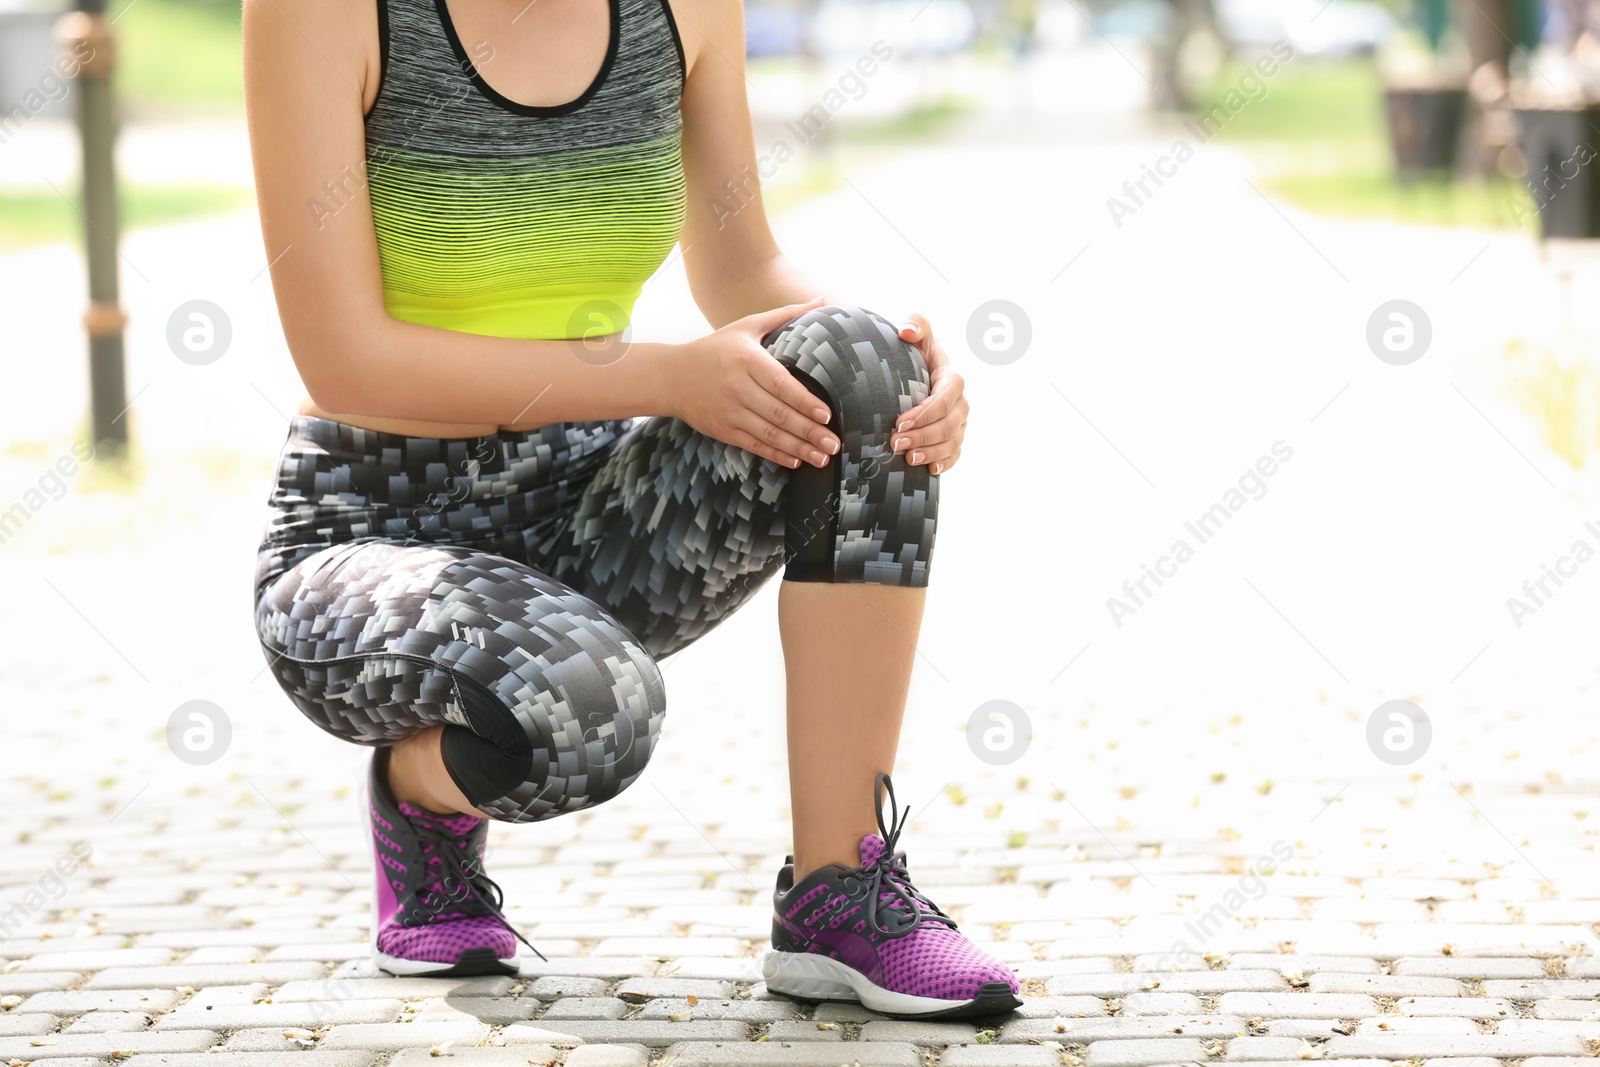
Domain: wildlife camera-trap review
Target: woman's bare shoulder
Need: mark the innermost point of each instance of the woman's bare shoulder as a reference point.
(343, 34)
(710, 27)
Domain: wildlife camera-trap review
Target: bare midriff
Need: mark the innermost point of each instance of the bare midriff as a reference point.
(415, 428)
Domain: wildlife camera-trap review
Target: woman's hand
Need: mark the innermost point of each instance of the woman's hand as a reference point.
(728, 386)
(931, 433)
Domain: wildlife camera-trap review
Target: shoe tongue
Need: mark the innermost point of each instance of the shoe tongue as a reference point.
(872, 849)
(457, 826)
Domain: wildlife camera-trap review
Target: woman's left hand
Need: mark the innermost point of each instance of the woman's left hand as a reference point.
(931, 433)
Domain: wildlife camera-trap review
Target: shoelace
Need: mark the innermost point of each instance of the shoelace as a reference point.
(888, 874)
(445, 847)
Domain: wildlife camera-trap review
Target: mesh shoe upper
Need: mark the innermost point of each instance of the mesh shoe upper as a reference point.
(872, 918)
(434, 900)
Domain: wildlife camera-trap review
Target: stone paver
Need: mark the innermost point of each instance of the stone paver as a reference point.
(556, 986)
(392, 1037)
(317, 1058)
(1146, 1026)
(768, 1054)
(314, 1013)
(79, 1001)
(1486, 1008)
(17, 1024)
(109, 1022)
(1298, 1005)
(914, 1033)
(1385, 985)
(639, 990)
(1144, 1052)
(1496, 1046)
(1474, 967)
(522, 1056)
(804, 1030)
(57, 1045)
(747, 1011)
(607, 1056)
(652, 1032)
(1000, 1056)
(587, 1008)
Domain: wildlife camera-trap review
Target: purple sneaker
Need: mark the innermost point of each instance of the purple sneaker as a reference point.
(436, 912)
(866, 934)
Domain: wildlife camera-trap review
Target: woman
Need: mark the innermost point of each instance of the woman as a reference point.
(493, 515)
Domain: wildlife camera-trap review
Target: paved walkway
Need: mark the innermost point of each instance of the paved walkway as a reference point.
(1198, 855)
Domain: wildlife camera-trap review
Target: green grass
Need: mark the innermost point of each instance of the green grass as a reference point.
(1320, 137)
(1307, 100)
(29, 217)
(919, 125)
(179, 55)
(1432, 201)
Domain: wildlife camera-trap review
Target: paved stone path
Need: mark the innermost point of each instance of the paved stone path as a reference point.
(1197, 858)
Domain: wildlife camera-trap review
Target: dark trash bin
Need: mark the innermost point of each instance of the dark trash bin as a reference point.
(1424, 128)
(1560, 146)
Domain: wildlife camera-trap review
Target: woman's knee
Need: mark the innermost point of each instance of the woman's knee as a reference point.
(856, 361)
(868, 516)
(565, 718)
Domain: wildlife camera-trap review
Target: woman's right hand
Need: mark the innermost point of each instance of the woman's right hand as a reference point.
(728, 386)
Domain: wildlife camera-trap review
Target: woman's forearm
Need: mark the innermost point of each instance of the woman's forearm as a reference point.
(401, 370)
(770, 283)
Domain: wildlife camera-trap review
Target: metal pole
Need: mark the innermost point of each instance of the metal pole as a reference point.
(85, 37)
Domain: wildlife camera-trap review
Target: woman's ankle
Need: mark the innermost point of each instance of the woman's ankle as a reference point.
(417, 775)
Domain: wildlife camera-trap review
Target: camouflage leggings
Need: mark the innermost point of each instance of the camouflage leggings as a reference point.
(518, 587)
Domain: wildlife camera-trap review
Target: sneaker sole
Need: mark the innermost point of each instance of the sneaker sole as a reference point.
(808, 976)
(472, 963)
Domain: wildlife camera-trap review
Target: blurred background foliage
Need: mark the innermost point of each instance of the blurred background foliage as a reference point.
(1321, 135)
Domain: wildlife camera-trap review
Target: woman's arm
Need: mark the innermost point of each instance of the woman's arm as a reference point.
(734, 264)
(735, 267)
(310, 73)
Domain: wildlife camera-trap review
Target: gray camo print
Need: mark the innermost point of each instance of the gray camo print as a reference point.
(554, 567)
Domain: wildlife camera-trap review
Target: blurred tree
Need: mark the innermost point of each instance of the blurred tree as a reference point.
(1486, 27)
(1189, 28)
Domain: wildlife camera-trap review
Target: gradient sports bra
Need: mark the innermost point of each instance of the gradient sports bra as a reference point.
(499, 218)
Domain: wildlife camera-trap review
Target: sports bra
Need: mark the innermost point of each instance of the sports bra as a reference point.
(511, 220)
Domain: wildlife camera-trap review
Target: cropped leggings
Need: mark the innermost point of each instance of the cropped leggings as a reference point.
(518, 588)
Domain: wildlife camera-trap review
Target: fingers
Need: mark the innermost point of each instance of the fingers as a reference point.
(764, 322)
(771, 415)
(790, 449)
(944, 451)
(751, 443)
(916, 329)
(948, 391)
(776, 381)
(928, 435)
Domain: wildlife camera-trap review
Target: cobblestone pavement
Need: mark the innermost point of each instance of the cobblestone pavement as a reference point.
(1198, 858)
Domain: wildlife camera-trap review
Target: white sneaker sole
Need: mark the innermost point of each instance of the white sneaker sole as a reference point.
(809, 976)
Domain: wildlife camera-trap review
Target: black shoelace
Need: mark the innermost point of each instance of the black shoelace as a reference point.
(486, 893)
(888, 875)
